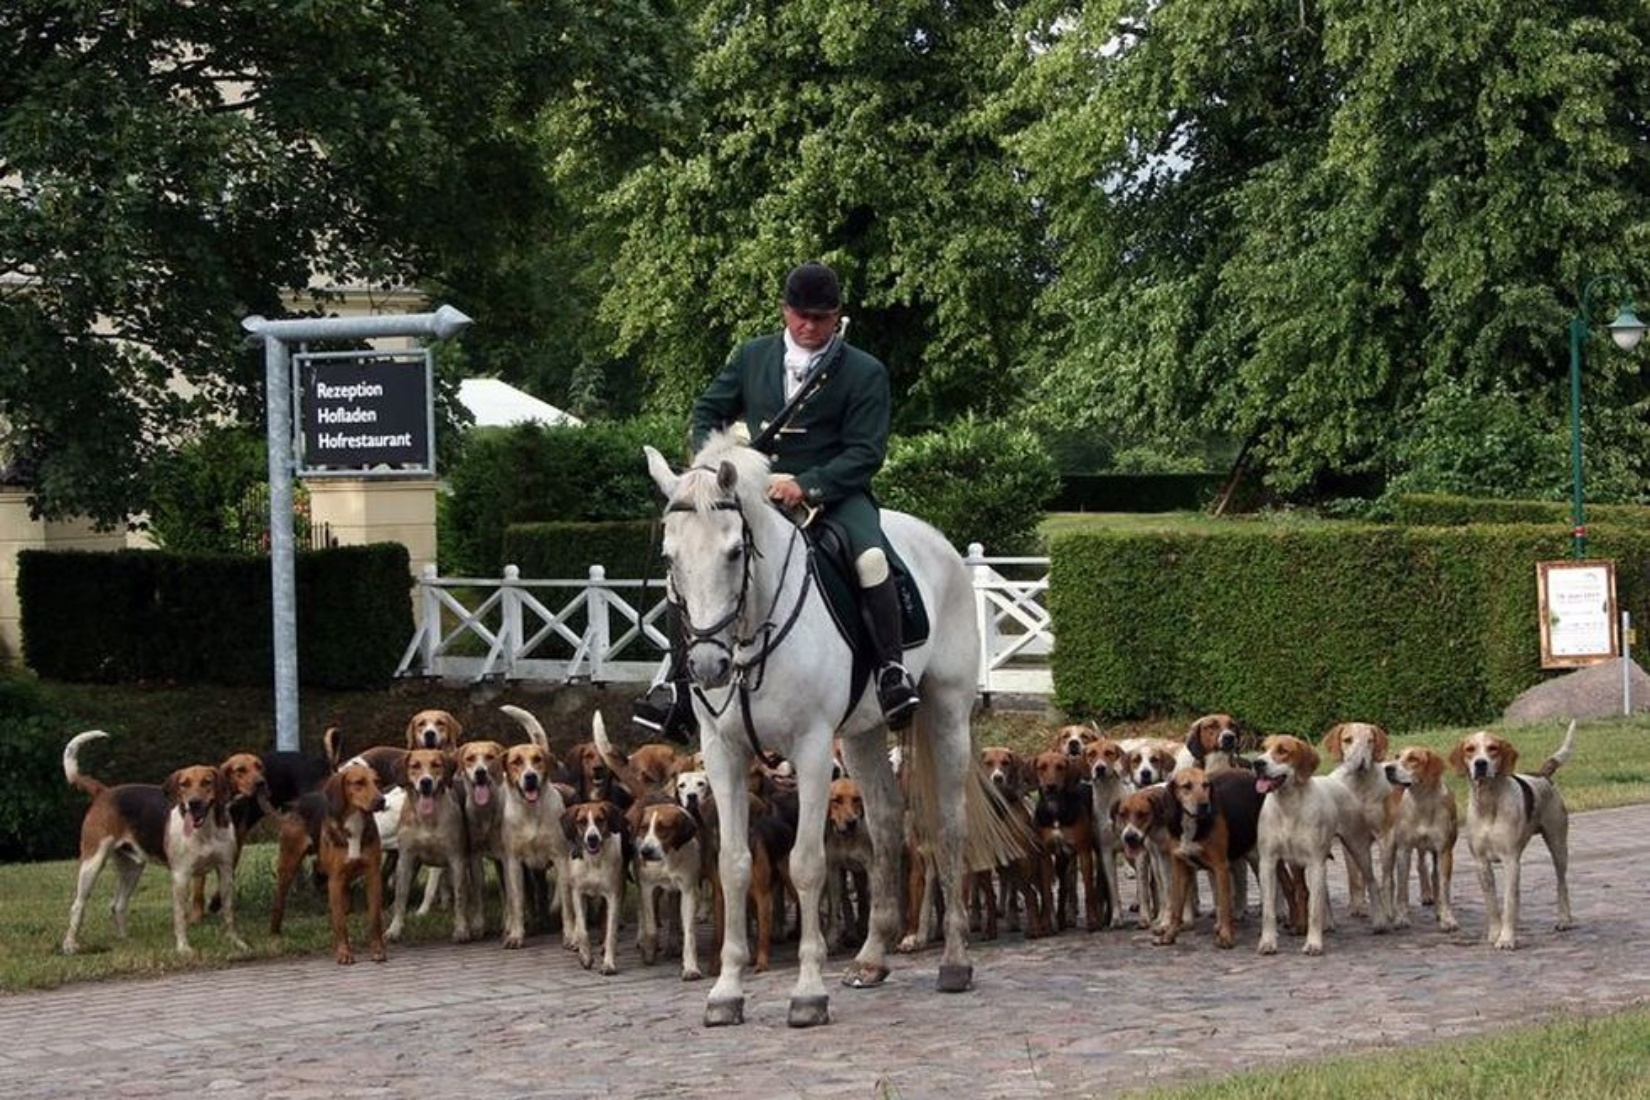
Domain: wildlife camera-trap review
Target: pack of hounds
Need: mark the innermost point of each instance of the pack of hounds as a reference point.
(569, 838)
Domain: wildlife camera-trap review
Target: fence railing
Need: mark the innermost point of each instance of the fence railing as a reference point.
(611, 631)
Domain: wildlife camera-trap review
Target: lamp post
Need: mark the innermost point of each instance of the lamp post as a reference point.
(1626, 330)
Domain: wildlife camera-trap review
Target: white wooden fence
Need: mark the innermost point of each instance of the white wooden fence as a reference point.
(611, 631)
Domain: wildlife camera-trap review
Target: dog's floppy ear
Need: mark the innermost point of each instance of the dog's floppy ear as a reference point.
(398, 770)
(1382, 742)
(170, 787)
(1194, 740)
(683, 831)
(570, 827)
(1332, 741)
(1509, 757)
(1309, 759)
(220, 796)
(333, 792)
(1431, 768)
(1458, 757)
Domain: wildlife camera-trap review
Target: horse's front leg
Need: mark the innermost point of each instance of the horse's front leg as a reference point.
(867, 759)
(726, 1003)
(809, 1002)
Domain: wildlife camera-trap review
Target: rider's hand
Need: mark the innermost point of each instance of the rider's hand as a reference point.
(784, 489)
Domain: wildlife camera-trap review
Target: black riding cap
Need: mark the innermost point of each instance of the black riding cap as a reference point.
(813, 287)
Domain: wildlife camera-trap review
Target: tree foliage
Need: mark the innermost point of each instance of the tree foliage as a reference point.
(861, 132)
(1292, 222)
(1329, 234)
(167, 169)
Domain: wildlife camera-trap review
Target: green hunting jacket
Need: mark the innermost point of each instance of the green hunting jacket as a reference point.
(838, 439)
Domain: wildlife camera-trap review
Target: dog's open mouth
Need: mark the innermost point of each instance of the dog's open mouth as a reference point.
(194, 816)
(1266, 784)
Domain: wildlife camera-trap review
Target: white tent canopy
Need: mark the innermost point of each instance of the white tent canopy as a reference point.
(498, 404)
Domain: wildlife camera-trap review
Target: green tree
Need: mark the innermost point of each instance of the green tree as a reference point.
(1292, 222)
(861, 132)
(166, 169)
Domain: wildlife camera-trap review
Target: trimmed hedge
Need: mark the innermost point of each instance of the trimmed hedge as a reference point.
(147, 615)
(39, 812)
(530, 473)
(1422, 510)
(1295, 630)
(566, 551)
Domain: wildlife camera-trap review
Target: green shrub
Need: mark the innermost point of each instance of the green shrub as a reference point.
(533, 474)
(1296, 629)
(975, 481)
(198, 490)
(39, 812)
(152, 615)
(566, 551)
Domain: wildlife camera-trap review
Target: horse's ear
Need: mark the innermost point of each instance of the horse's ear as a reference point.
(663, 477)
(727, 476)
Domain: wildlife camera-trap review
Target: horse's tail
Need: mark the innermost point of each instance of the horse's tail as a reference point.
(991, 837)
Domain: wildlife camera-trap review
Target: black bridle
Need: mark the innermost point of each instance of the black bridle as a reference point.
(761, 639)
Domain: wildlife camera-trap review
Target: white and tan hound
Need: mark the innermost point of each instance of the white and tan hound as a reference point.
(1505, 808)
(1425, 822)
(596, 833)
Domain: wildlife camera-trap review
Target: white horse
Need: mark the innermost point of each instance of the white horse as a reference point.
(770, 666)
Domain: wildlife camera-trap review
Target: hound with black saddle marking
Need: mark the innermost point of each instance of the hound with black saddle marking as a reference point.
(1505, 808)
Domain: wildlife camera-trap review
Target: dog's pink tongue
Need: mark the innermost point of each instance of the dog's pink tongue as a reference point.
(188, 824)
(426, 805)
(1263, 785)
(532, 795)
(484, 795)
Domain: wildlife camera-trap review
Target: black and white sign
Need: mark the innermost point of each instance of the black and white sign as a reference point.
(365, 409)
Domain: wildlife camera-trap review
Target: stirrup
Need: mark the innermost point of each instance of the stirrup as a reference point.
(665, 711)
(897, 695)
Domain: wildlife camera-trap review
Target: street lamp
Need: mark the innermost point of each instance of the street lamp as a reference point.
(1626, 330)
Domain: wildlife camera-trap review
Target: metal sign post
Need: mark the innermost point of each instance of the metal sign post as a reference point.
(277, 336)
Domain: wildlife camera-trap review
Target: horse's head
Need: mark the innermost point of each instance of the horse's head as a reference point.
(708, 546)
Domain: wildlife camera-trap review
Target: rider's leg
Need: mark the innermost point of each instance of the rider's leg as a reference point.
(880, 609)
(667, 708)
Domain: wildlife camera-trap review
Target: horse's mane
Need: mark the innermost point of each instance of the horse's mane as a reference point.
(699, 487)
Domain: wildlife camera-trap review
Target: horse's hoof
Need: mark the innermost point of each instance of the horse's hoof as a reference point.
(956, 978)
(809, 1011)
(725, 1013)
(864, 976)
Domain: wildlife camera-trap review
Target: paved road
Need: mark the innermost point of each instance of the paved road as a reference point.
(1072, 1015)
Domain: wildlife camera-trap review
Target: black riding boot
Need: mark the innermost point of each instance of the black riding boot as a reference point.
(879, 607)
(667, 709)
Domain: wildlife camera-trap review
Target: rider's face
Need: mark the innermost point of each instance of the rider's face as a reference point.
(811, 329)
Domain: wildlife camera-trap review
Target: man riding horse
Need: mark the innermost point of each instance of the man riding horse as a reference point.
(820, 409)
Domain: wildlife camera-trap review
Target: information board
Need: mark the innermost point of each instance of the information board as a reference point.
(365, 412)
(1579, 620)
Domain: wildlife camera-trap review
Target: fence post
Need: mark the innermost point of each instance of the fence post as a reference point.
(598, 633)
(985, 623)
(510, 635)
(430, 618)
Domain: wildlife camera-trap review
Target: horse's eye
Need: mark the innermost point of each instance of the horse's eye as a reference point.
(735, 554)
